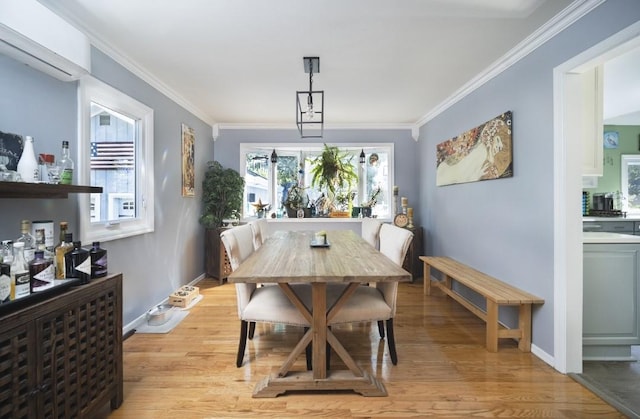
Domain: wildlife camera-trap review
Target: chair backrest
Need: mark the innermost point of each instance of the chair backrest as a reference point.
(259, 229)
(238, 241)
(371, 231)
(394, 244)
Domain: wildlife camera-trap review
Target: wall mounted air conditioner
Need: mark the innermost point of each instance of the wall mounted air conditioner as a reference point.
(34, 35)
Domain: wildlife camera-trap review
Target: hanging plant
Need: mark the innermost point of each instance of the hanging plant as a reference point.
(332, 170)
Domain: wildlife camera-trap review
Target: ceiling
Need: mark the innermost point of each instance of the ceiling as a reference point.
(240, 62)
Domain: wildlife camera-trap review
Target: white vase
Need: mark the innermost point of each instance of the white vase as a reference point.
(28, 165)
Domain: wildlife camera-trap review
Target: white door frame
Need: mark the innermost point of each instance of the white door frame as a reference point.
(567, 228)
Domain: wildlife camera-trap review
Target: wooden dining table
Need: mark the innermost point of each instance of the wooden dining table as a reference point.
(288, 257)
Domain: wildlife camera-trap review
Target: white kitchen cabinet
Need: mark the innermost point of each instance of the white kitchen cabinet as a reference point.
(611, 322)
(583, 108)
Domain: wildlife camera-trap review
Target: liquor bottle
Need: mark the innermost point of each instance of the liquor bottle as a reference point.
(98, 261)
(78, 263)
(65, 246)
(20, 286)
(66, 165)
(5, 283)
(28, 240)
(28, 165)
(41, 272)
(6, 252)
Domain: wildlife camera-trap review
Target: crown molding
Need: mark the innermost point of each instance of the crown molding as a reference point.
(572, 13)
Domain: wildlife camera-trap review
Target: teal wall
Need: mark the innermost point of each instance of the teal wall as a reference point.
(629, 143)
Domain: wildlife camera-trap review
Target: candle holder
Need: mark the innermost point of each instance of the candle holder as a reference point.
(410, 216)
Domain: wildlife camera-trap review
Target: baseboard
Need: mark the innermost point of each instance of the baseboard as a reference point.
(131, 326)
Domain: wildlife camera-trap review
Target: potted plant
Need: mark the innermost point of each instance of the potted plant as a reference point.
(333, 171)
(222, 192)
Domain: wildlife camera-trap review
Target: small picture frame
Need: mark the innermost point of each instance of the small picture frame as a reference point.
(611, 139)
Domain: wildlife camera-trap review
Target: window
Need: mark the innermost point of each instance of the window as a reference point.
(630, 183)
(269, 182)
(115, 152)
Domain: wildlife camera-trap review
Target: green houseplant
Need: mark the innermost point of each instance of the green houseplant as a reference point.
(334, 172)
(222, 192)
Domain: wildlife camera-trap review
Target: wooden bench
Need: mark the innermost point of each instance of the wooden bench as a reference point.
(495, 292)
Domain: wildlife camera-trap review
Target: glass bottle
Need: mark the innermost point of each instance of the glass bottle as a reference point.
(41, 272)
(6, 252)
(20, 286)
(98, 261)
(65, 246)
(66, 165)
(28, 240)
(41, 244)
(5, 283)
(78, 263)
(28, 165)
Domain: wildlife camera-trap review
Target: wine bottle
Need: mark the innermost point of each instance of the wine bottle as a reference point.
(5, 283)
(28, 240)
(28, 165)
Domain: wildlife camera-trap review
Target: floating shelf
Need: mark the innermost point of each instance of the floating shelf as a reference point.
(43, 190)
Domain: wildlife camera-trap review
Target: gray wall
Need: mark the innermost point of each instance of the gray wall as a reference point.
(504, 227)
(227, 150)
(153, 264)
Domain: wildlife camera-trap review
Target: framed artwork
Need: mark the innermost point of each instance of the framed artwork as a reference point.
(611, 139)
(188, 156)
(482, 153)
(10, 150)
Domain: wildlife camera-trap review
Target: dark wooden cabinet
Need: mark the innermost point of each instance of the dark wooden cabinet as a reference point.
(62, 357)
(215, 256)
(411, 262)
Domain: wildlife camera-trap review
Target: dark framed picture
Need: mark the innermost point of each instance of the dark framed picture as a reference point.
(10, 150)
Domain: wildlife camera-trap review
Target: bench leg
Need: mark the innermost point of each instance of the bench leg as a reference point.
(426, 278)
(492, 326)
(524, 323)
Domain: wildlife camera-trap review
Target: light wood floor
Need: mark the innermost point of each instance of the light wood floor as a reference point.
(443, 369)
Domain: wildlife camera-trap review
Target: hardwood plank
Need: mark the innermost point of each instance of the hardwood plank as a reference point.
(444, 368)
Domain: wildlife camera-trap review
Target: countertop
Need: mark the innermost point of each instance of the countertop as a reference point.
(602, 237)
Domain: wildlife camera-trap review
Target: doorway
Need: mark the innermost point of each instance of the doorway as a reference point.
(568, 148)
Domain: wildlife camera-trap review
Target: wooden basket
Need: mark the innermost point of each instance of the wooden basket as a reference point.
(184, 296)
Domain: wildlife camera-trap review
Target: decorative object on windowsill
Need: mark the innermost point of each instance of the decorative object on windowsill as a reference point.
(395, 200)
(365, 210)
(410, 216)
(296, 199)
(310, 104)
(333, 172)
(188, 158)
(261, 209)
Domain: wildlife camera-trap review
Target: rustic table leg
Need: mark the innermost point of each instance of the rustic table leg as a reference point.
(426, 277)
(492, 326)
(524, 323)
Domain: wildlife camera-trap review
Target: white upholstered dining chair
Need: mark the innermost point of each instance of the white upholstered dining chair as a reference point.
(377, 303)
(257, 304)
(259, 228)
(371, 231)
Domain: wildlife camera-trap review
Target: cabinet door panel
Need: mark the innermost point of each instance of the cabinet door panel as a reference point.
(17, 380)
(610, 296)
(79, 355)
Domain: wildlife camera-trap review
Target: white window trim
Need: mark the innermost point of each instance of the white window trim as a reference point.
(93, 90)
(625, 159)
(314, 147)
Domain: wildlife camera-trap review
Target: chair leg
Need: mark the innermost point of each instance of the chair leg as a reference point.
(391, 341)
(242, 344)
(381, 328)
(252, 329)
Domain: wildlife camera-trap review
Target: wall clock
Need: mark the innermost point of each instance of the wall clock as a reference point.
(401, 220)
